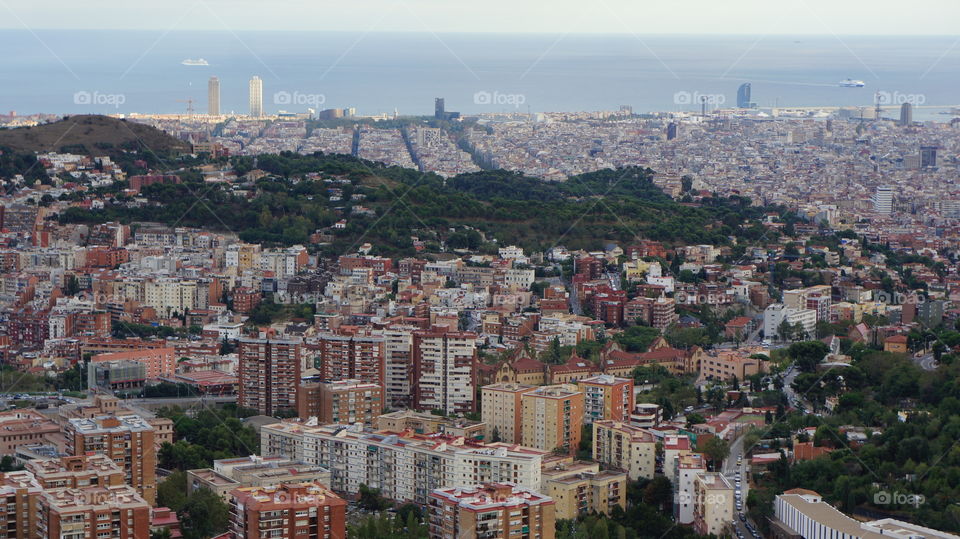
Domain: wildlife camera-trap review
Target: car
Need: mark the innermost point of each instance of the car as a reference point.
(743, 518)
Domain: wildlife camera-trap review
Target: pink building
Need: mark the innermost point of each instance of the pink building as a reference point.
(160, 362)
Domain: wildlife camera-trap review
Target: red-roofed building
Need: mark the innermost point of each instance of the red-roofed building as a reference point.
(807, 451)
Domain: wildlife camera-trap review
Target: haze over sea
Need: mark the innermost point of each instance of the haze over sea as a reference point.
(380, 72)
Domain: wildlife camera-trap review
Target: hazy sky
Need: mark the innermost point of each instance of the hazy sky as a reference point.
(914, 17)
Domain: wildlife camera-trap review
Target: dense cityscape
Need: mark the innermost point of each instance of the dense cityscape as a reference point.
(724, 320)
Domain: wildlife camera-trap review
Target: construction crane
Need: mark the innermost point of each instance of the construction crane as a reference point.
(189, 102)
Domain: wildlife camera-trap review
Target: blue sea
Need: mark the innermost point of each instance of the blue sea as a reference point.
(127, 71)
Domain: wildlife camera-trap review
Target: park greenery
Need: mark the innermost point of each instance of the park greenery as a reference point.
(208, 435)
(287, 206)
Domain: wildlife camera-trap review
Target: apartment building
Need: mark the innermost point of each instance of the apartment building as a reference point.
(421, 423)
(712, 503)
(288, 511)
(21, 491)
(404, 467)
(128, 440)
(552, 417)
(159, 362)
(685, 470)
(76, 471)
(254, 471)
(501, 409)
(606, 397)
(727, 364)
(269, 372)
(352, 356)
(170, 296)
(491, 510)
(25, 427)
(625, 447)
(116, 511)
(580, 488)
(778, 313)
(341, 401)
(444, 370)
(803, 513)
(398, 366)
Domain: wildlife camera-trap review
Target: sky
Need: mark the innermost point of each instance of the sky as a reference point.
(755, 17)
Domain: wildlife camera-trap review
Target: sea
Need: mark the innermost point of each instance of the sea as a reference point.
(113, 71)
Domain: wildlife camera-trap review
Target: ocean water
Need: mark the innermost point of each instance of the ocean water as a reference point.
(125, 71)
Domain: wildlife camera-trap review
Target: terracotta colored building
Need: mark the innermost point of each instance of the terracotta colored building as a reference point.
(269, 372)
(484, 510)
(341, 401)
(160, 362)
(127, 439)
(69, 511)
(304, 510)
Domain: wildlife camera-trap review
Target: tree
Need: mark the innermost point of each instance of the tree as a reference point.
(695, 419)
(371, 500)
(808, 354)
(172, 491)
(204, 515)
(717, 450)
(658, 492)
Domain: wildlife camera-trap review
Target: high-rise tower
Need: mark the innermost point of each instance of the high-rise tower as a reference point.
(256, 97)
(213, 96)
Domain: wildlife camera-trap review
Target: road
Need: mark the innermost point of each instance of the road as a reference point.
(925, 362)
(730, 470)
(183, 402)
(791, 374)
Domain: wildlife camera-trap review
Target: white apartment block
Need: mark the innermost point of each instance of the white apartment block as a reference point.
(398, 345)
(686, 468)
(403, 468)
(170, 296)
(803, 513)
(775, 314)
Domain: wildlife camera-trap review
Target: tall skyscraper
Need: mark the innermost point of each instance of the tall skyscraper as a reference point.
(743, 96)
(213, 96)
(256, 97)
(883, 200)
(672, 130)
(928, 156)
(906, 114)
(439, 109)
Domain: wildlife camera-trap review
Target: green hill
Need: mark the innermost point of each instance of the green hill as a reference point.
(388, 205)
(90, 135)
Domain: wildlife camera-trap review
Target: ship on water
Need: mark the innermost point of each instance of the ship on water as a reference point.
(197, 62)
(852, 83)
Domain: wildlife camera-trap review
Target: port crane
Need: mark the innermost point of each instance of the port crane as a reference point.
(189, 102)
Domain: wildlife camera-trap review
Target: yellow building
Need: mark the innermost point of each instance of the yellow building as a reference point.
(636, 270)
(552, 417)
(580, 488)
(502, 407)
(712, 504)
(625, 447)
